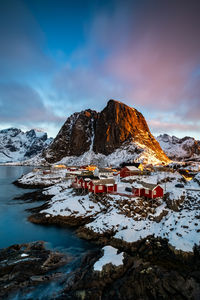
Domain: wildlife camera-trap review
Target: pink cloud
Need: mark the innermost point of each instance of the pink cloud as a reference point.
(151, 50)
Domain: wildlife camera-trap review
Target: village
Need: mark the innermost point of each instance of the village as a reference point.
(127, 203)
(132, 179)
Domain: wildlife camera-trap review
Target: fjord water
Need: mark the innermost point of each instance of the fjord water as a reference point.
(14, 227)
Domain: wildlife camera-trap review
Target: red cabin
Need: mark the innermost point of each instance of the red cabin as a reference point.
(129, 171)
(148, 190)
(102, 186)
(77, 183)
(90, 186)
(86, 182)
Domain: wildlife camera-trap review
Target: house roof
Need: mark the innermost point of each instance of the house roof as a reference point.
(146, 185)
(102, 170)
(84, 176)
(103, 181)
(132, 168)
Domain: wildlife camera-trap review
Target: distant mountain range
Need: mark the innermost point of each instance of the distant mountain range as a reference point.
(115, 135)
(16, 145)
(183, 149)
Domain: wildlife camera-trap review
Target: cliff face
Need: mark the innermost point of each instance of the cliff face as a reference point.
(103, 133)
(118, 123)
(75, 137)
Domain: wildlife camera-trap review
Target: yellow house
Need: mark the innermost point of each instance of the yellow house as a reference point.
(60, 166)
(141, 167)
(91, 168)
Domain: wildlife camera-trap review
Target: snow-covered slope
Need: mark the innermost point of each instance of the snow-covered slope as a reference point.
(126, 153)
(180, 149)
(16, 145)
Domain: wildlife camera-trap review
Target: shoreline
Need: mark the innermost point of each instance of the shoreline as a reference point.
(151, 266)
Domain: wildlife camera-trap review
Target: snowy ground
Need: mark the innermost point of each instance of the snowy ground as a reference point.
(110, 256)
(39, 178)
(132, 151)
(66, 204)
(131, 218)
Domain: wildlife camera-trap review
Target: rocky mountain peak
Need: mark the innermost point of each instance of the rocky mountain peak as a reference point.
(103, 133)
(118, 123)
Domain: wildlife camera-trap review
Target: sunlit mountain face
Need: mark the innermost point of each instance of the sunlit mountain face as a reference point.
(60, 57)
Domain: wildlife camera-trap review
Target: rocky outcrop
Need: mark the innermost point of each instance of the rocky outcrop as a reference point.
(103, 133)
(151, 271)
(75, 137)
(186, 148)
(23, 266)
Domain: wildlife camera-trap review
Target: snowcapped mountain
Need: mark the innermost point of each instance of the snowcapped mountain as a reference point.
(16, 145)
(117, 134)
(186, 148)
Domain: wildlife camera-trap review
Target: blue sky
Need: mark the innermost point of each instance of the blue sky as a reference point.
(59, 57)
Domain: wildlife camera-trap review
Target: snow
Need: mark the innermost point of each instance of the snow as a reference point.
(178, 148)
(24, 255)
(38, 178)
(66, 204)
(129, 218)
(110, 256)
(172, 226)
(16, 145)
(127, 152)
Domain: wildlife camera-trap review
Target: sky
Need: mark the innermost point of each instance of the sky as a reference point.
(58, 57)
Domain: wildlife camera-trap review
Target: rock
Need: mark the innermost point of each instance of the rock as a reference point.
(151, 271)
(24, 265)
(117, 124)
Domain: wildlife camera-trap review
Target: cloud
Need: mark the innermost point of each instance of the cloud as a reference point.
(22, 42)
(148, 49)
(21, 103)
(158, 125)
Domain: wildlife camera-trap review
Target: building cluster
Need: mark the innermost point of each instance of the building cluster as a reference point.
(95, 185)
(105, 180)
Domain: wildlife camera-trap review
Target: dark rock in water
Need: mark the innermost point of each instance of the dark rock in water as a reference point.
(152, 271)
(103, 133)
(33, 196)
(25, 265)
(30, 186)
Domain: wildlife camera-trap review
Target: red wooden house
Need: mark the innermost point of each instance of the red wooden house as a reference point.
(86, 182)
(78, 183)
(148, 190)
(129, 171)
(102, 186)
(90, 186)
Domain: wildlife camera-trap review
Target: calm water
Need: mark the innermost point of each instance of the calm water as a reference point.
(14, 227)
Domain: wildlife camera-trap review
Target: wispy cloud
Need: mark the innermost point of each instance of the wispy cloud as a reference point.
(23, 104)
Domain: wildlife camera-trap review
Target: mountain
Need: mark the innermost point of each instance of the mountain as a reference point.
(186, 148)
(16, 145)
(118, 133)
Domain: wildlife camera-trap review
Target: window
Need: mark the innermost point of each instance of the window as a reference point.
(93, 188)
(154, 192)
(100, 188)
(146, 191)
